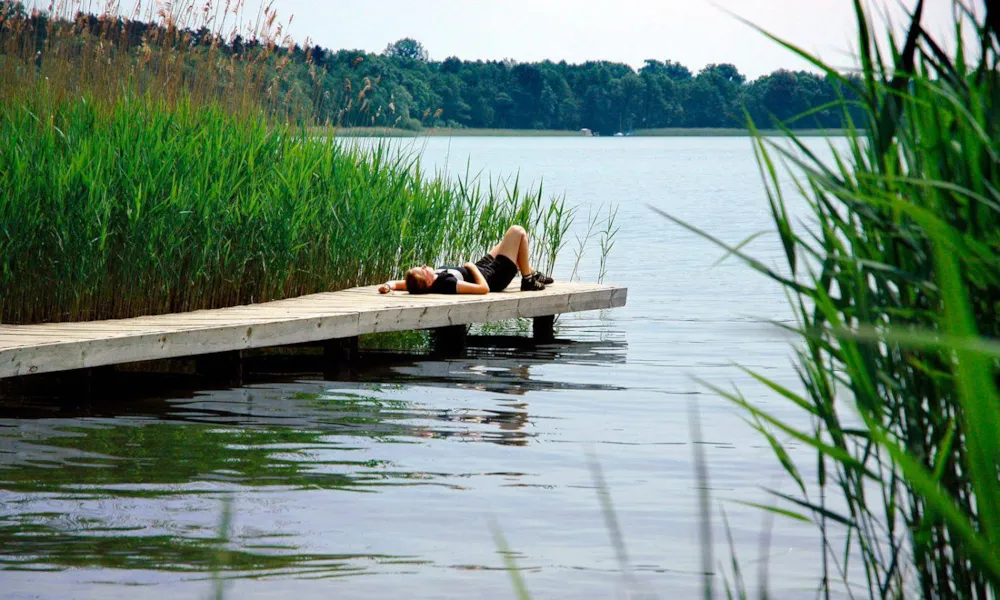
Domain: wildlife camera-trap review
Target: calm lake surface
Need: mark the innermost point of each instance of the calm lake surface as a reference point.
(389, 480)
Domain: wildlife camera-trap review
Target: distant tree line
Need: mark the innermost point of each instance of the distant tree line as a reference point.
(602, 96)
(402, 87)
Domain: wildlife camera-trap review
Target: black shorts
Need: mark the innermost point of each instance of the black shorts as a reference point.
(499, 271)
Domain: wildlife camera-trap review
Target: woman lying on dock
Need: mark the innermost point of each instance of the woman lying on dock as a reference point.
(491, 273)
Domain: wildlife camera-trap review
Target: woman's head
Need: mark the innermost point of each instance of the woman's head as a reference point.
(419, 279)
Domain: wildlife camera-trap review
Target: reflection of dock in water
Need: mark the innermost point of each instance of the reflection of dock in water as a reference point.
(384, 393)
(498, 364)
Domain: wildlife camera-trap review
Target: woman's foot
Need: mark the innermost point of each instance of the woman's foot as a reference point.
(545, 278)
(542, 277)
(532, 283)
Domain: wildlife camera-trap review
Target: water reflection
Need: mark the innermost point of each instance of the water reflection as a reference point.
(133, 481)
(47, 541)
(502, 370)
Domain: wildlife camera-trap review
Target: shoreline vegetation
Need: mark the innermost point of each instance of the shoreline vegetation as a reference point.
(392, 132)
(403, 87)
(93, 106)
(148, 176)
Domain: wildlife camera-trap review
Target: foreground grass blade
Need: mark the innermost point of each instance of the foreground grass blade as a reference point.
(894, 277)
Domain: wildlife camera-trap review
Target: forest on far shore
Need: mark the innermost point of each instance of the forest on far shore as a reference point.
(402, 87)
(603, 96)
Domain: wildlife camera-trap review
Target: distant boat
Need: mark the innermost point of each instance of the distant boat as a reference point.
(619, 134)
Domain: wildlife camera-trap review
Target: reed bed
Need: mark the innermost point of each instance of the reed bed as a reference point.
(151, 175)
(146, 210)
(895, 278)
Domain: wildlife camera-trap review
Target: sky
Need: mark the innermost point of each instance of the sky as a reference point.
(692, 32)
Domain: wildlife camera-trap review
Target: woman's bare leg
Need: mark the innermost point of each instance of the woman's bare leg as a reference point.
(523, 262)
(514, 246)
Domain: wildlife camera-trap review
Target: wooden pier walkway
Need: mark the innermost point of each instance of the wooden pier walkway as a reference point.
(47, 348)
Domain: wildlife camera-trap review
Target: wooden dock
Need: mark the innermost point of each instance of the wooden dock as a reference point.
(53, 347)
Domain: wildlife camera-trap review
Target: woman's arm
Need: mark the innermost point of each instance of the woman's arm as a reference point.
(399, 286)
(479, 287)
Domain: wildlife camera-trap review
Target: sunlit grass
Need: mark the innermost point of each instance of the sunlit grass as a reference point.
(140, 209)
(895, 280)
(159, 175)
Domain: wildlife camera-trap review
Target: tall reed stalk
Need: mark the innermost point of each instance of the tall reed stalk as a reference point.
(180, 51)
(159, 177)
(895, 279)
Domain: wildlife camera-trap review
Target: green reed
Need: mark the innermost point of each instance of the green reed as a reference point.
(142, 209)
(895, 280)
(159, 179)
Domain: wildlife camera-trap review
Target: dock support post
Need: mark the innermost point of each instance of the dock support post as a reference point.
(99, 380)
(449, 341)
(543, 329)
(221, 368)
(338, 354)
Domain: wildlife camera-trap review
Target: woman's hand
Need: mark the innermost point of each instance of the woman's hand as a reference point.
(479, 287)
(385, 288)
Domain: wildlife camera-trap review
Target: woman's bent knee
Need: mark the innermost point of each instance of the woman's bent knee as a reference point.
(517, 230)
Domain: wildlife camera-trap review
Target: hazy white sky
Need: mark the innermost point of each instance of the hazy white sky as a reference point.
(692, 32)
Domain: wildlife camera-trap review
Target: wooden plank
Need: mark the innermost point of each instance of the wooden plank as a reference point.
(99, 352)
(97, 327)
(48, 347)
(42, 336)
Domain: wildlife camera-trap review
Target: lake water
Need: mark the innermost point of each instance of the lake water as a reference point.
(392, 479)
